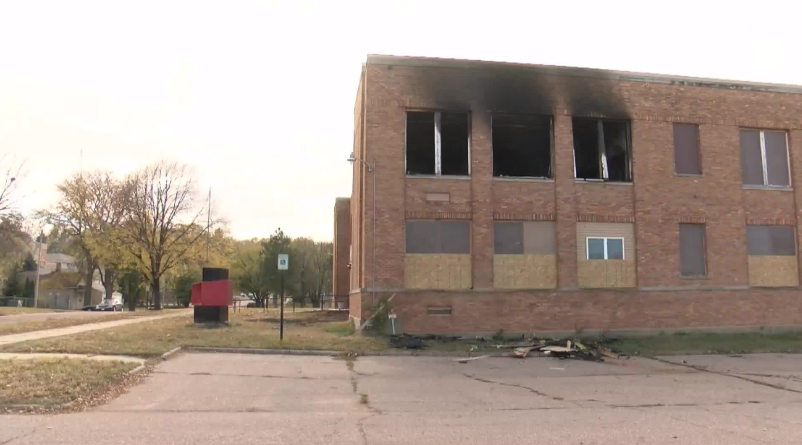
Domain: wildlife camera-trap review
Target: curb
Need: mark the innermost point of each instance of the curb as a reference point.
(169, 354)
(137, 369)
(315, 352)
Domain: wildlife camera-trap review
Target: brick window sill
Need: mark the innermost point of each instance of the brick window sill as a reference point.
(583, 181)
(768, 187)
(522, 179)
(459, 178)
(694, 277)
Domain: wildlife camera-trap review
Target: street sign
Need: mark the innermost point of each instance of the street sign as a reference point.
(283, 261)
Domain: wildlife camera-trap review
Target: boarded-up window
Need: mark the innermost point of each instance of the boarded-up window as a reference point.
(530, 237)
(770, 240)
(686, 149)
(521, 146)
(692, 250)
(427, 236)
(764, 158)
(437, 143)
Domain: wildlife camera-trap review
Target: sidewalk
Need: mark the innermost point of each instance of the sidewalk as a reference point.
(38, 335)
(102, 358)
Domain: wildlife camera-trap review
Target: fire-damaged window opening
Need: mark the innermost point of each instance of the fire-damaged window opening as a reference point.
(602, 150)
(438, 143)
(521, 146)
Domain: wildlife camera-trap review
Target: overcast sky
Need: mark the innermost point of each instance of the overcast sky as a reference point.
(259, 95)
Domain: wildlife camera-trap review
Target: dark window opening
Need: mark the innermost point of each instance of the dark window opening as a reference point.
(601, 150)
(522, 146)
(420, 143)
(692, 250)
(770, 240)
(454, 144)
(686, 149)
(438, 236)
(437, 143)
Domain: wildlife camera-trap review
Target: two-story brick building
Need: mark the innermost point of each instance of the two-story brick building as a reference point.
(526, 198)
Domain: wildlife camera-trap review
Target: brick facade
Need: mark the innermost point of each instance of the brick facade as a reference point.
(341, 263)
(656, 200)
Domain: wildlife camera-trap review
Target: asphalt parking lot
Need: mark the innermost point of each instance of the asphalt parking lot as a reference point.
(270, 399)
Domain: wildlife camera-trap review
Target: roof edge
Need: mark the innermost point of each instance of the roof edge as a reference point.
(624, 76)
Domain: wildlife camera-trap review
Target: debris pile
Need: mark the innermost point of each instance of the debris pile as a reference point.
(563, 349)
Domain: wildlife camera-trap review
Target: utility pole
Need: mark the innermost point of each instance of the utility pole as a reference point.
(38, 269)
(208, 224)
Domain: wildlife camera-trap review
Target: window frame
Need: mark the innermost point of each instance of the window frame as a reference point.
(606, 256)
(704, 250)
(550, 175)
(438, 154)
(764, 162)
(438, 238)
(698, 148)
(602, 154)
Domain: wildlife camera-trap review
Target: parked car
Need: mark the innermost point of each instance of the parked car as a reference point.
(89, 307)
(109, 306)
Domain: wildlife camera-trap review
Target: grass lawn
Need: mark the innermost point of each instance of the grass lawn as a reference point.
(707, 343)
(249, 328)
(53, 323)
(49, 384)
(5, 310)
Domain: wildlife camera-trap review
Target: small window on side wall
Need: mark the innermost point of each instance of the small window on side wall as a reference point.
(686, 149)
(605, 248)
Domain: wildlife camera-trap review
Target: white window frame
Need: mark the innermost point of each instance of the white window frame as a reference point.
(438, 160)
(605, 238)
(766, 165)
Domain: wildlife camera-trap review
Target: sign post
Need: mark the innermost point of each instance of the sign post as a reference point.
(283, 264)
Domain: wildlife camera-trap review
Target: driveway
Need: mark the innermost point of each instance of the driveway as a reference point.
(263, 399)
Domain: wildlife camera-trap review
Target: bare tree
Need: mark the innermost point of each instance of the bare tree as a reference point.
(10, 182)
(164, 220)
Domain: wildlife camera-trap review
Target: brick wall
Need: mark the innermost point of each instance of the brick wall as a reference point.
(341, 285)
(656, 201)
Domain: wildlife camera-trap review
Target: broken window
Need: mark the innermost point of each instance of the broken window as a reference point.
(437, 143)
(438, 236)
(770, 240)
(686, 149)
(692, 250)
(605, 248)
(531, 237)
(764, 158)
(601, 150)
(521, 146)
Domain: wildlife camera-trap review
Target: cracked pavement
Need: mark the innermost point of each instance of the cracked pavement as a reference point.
(269, 399)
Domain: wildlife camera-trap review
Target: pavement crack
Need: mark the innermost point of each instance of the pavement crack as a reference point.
(725, 374)
(364, 398)
(21, 436)
(263, 376)
(515, 385)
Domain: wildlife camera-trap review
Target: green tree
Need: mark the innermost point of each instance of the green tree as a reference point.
(271, 248)
(132, 287)
(28, 264)
(12, 287)
(28, 290)
(182, 286)
(246, 270)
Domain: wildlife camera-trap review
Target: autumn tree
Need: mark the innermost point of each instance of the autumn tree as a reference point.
(313, 261)
(10, 175)
(92, 208)
(247, 270)
(271, 248)
(165, 218)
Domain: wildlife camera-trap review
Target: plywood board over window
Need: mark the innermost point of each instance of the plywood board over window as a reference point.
(605, 255)
(438, 254)
(524, 255)
(772, 256)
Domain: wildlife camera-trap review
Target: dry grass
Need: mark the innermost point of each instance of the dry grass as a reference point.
(250, 328)
(49, 384)
(5, 310)
(54, 323)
